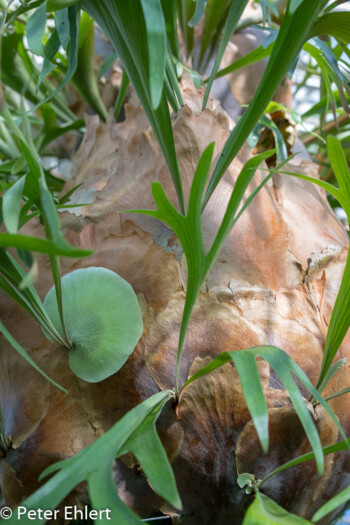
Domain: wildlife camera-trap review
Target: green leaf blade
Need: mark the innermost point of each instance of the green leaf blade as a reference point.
(156, 42)
(11, 205)
(247, 369)
(25, 356)
(35, 29)
(333, 504)
(94, 464)
(294, 32)
(283, 365)
(234, 15)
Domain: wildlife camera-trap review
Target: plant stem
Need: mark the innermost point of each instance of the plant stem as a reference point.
(55, 265)
(337, 394)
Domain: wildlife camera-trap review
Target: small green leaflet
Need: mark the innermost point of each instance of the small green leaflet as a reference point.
(265, 511)
(135, 433)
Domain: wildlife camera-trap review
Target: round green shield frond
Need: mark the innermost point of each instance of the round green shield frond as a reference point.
(103, 320)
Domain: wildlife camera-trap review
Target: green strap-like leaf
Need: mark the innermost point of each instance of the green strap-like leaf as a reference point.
(156, 43)
(73, 17)
(189, 230)
(297, 23)
(124, 24)
(35, 29)
(330, 449)
(284, 367)
(331, 505)
(107, 64)
(25, 356)
(281, 148)
(234, 15)
(95, 462)
(84, 77)
(336, 24)
(124, 86)
(35, 244)
(199, 12)
(170, 18)
(62, 26)
(248, 373)
(214, 20)
(250, 58)
(11, 205)
(148, 449)
(103, 495)
(340, 319)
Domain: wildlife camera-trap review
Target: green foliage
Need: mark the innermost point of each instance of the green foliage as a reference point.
(143, 35)
(11, 205)
(233, 17)
(265, 511)
(35, 29)
(135, 433)
(102, 318)
(295, 29)
(340, 319)
(332, 505)
(156, 40)
(73, 20)
(250, 58)
(121, 94)
(189, 230)
(84, 78)
(330, 449)
(284, 367)
(132, 42)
